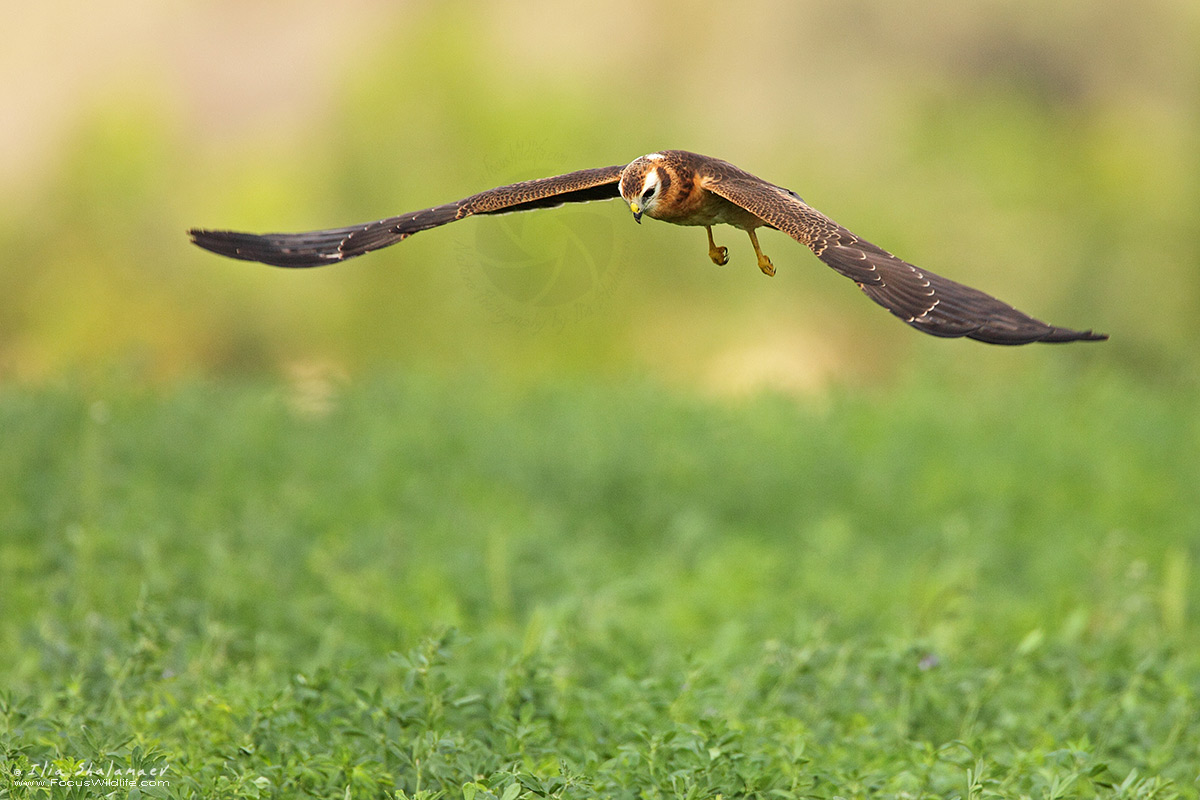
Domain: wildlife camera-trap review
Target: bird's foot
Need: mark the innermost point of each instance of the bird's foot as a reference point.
(766, 266)
(719, 255)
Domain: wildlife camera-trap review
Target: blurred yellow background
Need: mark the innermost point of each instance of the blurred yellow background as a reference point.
(1048, 153)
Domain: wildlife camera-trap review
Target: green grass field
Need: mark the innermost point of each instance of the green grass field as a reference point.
(420, 587)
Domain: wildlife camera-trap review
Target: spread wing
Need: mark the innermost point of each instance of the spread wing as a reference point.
(317, 248)
(928, 302)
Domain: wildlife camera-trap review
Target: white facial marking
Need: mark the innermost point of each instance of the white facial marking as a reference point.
(655, 156)
(651, 181)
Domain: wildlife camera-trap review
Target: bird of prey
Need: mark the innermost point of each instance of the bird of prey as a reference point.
(686, 189)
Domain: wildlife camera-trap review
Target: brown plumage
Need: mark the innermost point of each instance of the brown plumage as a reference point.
(686, 189)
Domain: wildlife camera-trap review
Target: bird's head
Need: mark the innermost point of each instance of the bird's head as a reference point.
(643, 183)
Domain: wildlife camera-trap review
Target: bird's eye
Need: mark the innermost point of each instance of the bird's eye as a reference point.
(649, 191)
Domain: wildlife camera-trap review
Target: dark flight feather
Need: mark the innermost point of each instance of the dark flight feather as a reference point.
(928, 302)
(318, 248)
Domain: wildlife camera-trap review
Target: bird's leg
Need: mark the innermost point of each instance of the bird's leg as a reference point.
(719, 255)
(764, 263)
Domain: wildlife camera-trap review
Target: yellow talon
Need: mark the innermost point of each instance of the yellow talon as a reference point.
(719, 255)
(764, 263)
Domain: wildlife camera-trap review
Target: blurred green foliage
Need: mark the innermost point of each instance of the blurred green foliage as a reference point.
(1051, 156)
(912, 590)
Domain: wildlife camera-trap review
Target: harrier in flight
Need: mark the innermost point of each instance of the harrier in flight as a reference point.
(686, 189)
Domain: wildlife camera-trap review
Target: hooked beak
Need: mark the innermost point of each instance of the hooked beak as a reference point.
(637, 212)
